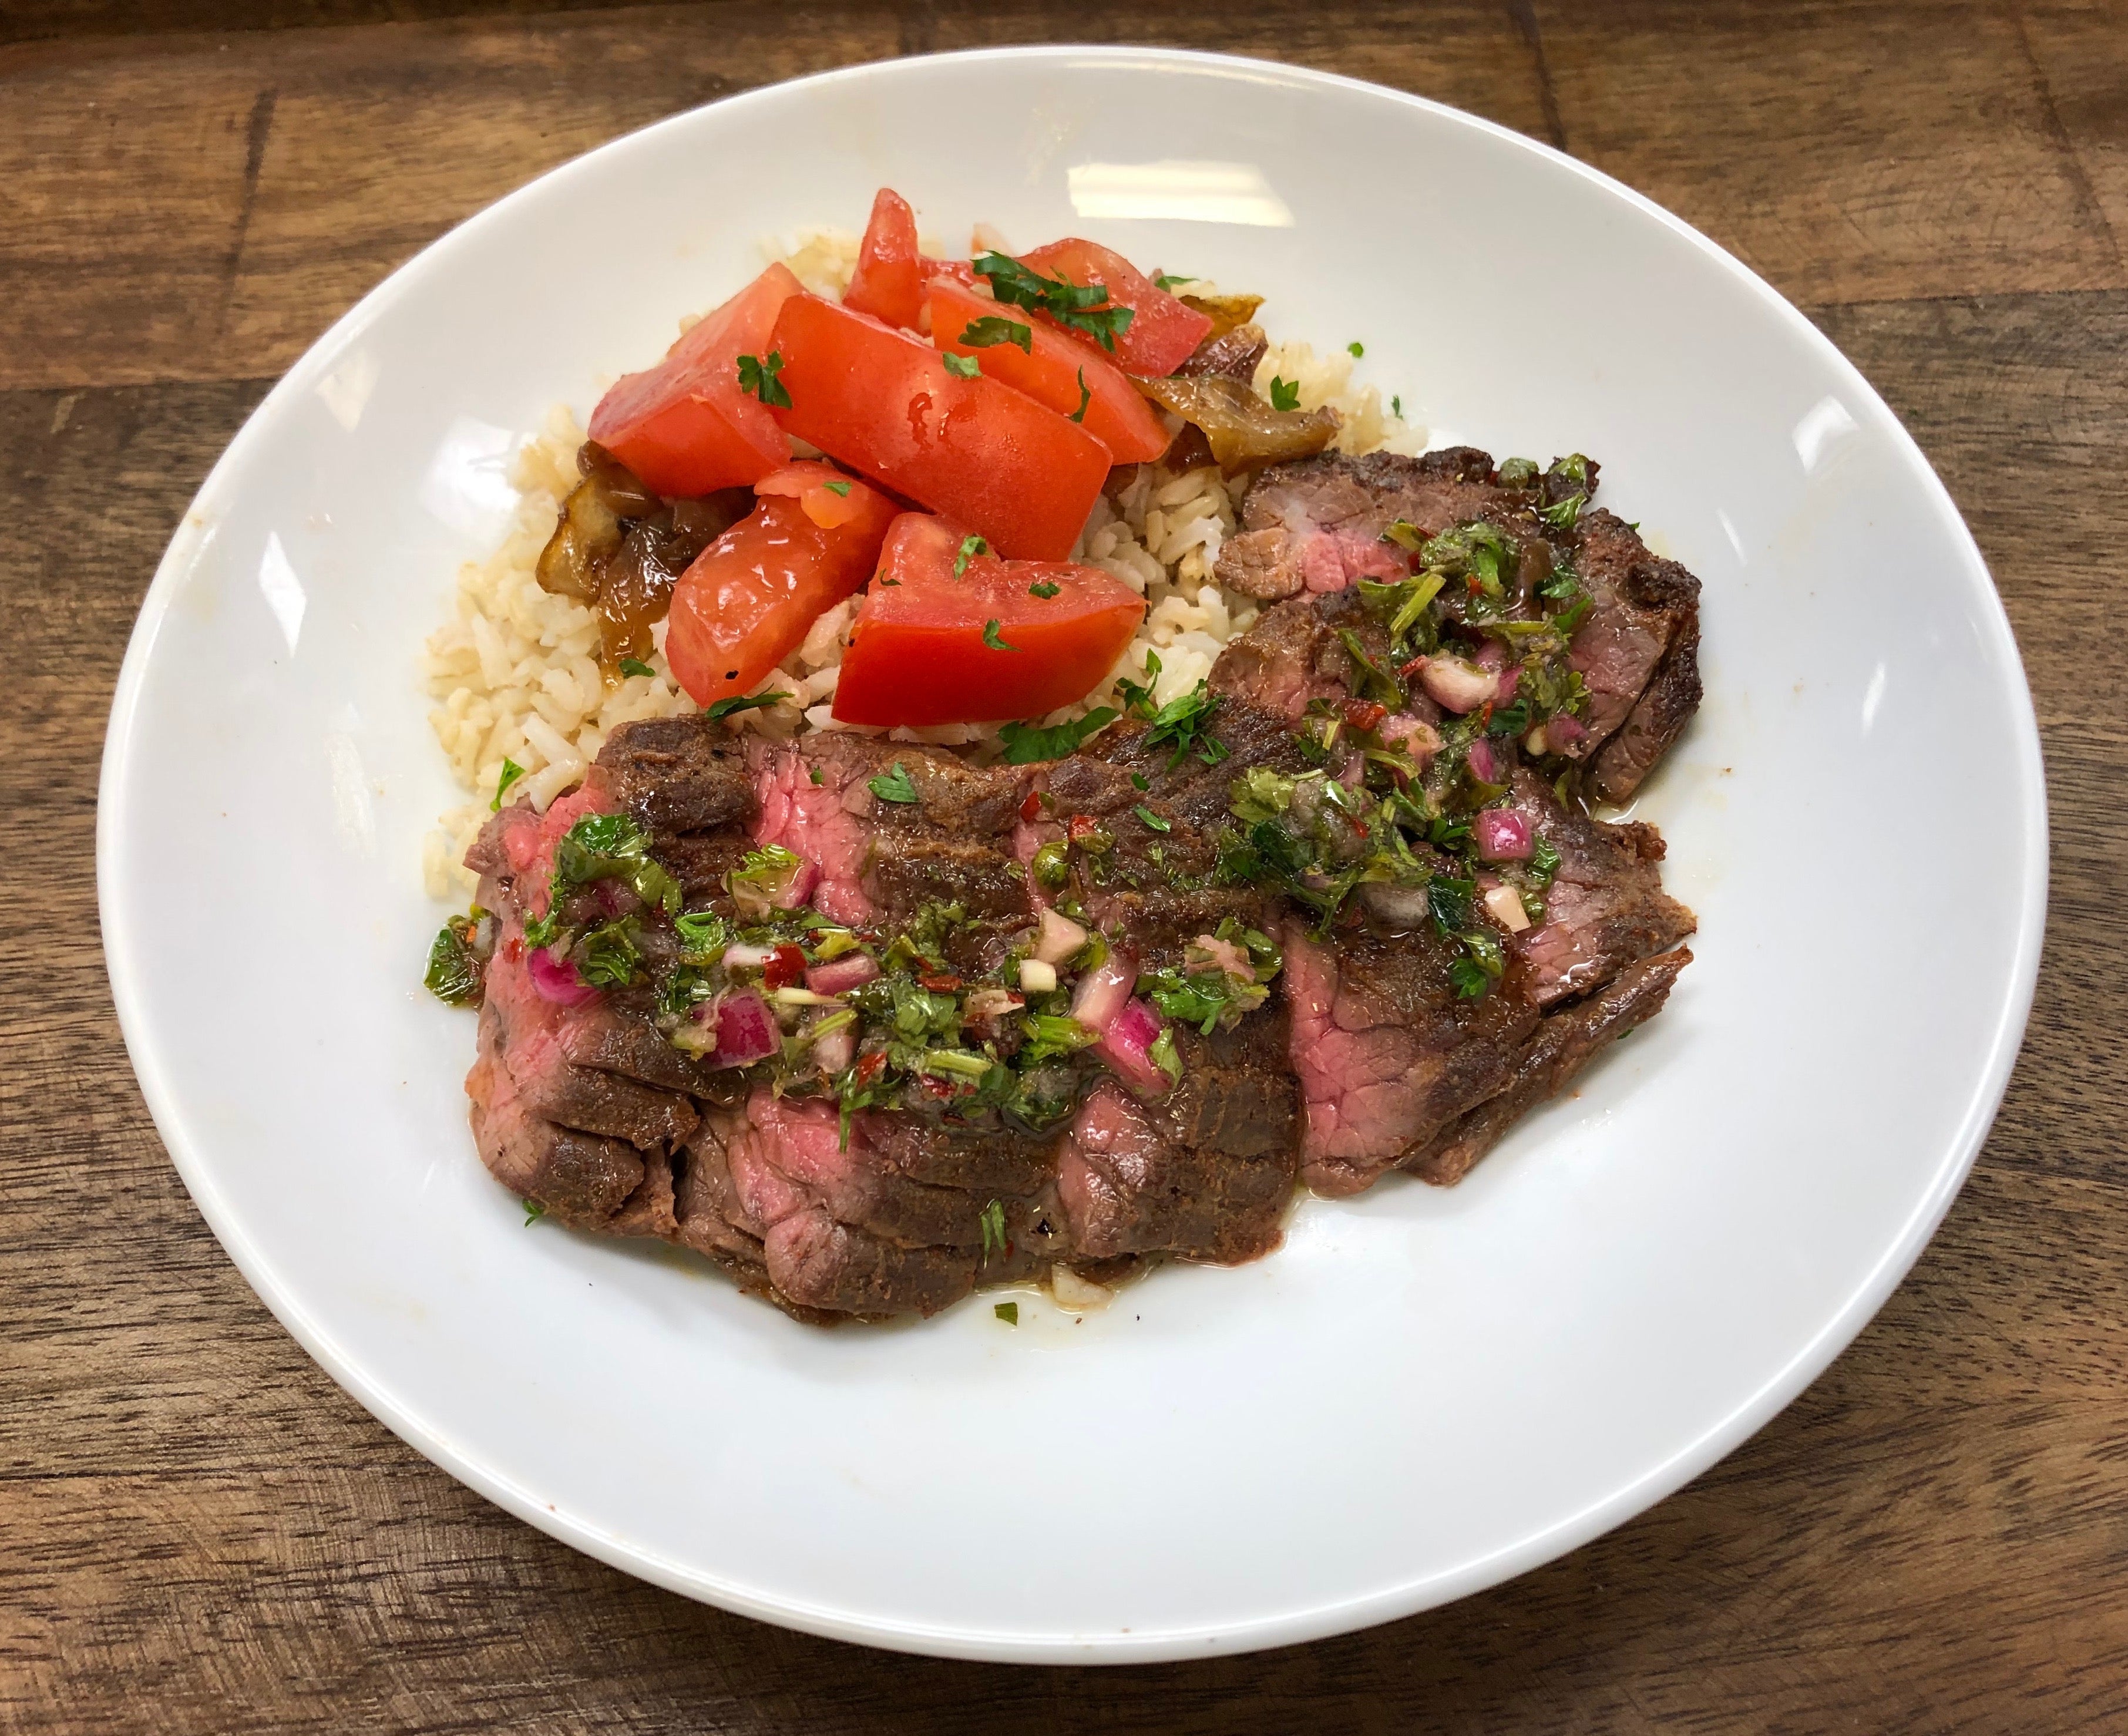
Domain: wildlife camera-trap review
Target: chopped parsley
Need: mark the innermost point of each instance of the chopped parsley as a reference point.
(966, 368)
(893, 786)
(1028, 744)
(534, 1212)
(757, 375)
(838, 488)
(1285, 394)
(971, 546)
(1469, 978)
(1396, 407)
(511, 771)
(703, 934)
(1180, 723)
(1151, 820)
(995, 329)
(1163, 1057)
(1356, 349)
(1086, 397)
(1080, 307)
(746, 702)
(635, 666)
(607, 956)
(1009, 1312)
(991, 639)
(1046, 589)
(602, 846)
(992, 1224)
(1168, 280)
(454, 969)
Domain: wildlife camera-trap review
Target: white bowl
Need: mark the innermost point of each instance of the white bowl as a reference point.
(1424, 1391)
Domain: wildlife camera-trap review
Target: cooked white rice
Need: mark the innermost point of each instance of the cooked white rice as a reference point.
(515, 673)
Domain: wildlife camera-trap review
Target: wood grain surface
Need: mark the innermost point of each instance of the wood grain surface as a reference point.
(199, 1532)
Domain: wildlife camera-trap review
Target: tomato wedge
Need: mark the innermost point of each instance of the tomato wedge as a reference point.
(747, 602)
(883, 403)
(994, 642)
(1163, 332)
(684, 426)
(888, 282)
(1050, 370)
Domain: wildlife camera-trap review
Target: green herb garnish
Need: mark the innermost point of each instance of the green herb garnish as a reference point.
(893, 786)
(1356, 349)
(511, 771)
(971, 546)
(1027, 744)
(1082, 307)
(455, 970)
(991, 639)
(1285, 394)
(534, 1212)
(992, 1224)
(635, 666)
(1046, 589)
(965, 368)
(607, 957)
(1009, 1312)
(1151, 820)
(837, 488)
(1168, 280)
(758, 377)
(748, 702)
(995, 329)
(1086, 397)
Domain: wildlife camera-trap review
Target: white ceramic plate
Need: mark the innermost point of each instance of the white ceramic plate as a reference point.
(1425, 1392)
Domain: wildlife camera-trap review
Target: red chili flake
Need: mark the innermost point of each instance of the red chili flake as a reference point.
(1486, 717)
(870, 1066)
(1473, 584)
(1410, 671)
(1364, 713)
(1082, 827)
(1360, 826)
(785, 966)
(939, 982)
(938, 1087)
(1030, 810)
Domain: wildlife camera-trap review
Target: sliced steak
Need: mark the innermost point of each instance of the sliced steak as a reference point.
(1386, 1051)
(1605, 908)
(1316, 524)
(580, 1178)
(1128, 1188)
(818, 1263)
(705, 1204)
(649, 1210)
(1637, 651)
(678, 775)
(524, 1034)
(614, 1034)
(1565, 1043)
(1237, 1096)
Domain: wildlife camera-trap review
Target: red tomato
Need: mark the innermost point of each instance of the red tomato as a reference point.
(747, 602)
(889, 281)
(684, 426)
(931, 647)
(1163, 332)
(1049, 371)
(883, 402)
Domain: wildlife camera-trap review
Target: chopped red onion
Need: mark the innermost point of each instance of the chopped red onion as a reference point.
(1103, 993)
(1510, 680)
(555, 980)
(1491, 655)
(837, 1049)
(1127, 1047)
(747, 1031)
(1454, 684)
(740, 956)
(839, 976)
(1416, 740)
(1563, 732)
(1502, 835)
(1485, 762)
(1058, 939)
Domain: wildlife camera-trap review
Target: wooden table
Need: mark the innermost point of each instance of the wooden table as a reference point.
(199, 1531)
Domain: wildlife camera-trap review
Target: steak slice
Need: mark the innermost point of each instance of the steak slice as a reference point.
(1316, 524)
(1237, 1096)
(1565, 1043)
(580, 1178)
(706, 1205)
(677, 775)
(816, 1261)
(1126, 1186)
(1605, 907)
(1637, 651)
(1387, 1052)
